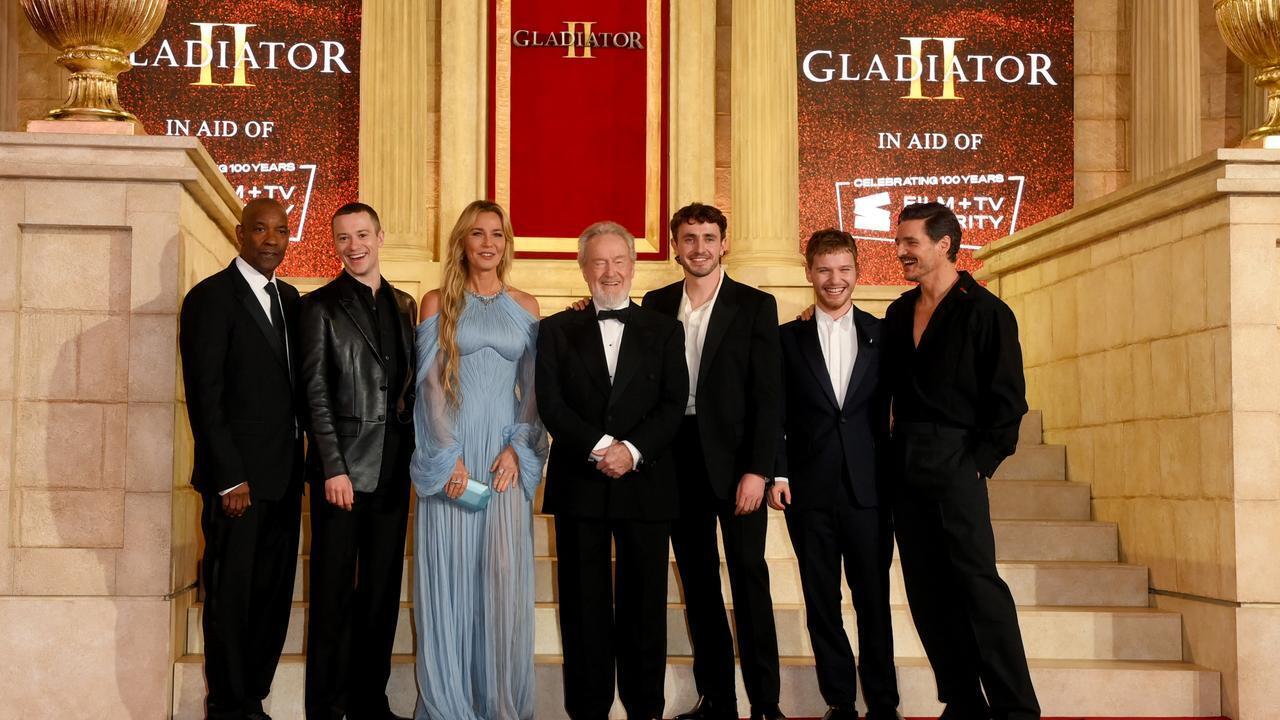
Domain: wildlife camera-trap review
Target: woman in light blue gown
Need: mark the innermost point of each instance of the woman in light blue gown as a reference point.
(476, 419)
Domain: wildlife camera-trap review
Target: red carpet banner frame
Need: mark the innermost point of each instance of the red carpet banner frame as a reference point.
(272, 89)
(578, 120)
(965, 102)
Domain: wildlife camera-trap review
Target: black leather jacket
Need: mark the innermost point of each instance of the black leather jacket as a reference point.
(346, 384)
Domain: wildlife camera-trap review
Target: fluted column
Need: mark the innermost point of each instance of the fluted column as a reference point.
(463, 105)
(765, 148)
(9, 66)
(692, 102)
(397, 125)
(1165, 125)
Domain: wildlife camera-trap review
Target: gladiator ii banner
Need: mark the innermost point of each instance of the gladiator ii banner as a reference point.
(964, 102)
(272, 89)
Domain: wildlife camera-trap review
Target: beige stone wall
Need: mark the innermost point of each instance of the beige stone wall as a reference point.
(39, 83)
(98, 240)
(1149, 328)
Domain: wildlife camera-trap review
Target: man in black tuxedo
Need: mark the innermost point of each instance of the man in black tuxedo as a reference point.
(612, 387)
(358, 373)
(724, 456)
(239, 350)
(835, 423)
(953, 368)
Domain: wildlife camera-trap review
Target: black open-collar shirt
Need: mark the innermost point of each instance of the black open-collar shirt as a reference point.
(966, 373)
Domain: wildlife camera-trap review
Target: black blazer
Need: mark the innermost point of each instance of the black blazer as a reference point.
(643, 406)
(737, 394)
(345, 383)
(240, 401)
(827, 445)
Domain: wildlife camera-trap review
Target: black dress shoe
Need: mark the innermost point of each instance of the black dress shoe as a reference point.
(257, 715)
(883, 714)
(841, 712)
(705, 709)
(769, 713)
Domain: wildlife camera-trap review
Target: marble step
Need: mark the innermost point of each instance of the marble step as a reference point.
(1042, 584)
(1034, 462)
(1071, 688)
(1049, 633)
(1016, 540)
(1031, 430)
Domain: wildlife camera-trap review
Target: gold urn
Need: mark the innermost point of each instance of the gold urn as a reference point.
(1252, 31)
(96, 38)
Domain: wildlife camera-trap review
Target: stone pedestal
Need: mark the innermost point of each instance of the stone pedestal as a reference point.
(1149, 329)
(99, 238)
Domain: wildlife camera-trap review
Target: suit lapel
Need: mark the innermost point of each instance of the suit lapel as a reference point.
(245, 295)
(667, 300)
(866, 345)
(635, 337)
(587, 337)
(359, 317)
(811, 348)
(722, 314)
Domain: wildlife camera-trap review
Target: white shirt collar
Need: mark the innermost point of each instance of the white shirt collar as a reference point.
(845, 320)
(686, 306)
(251, 275)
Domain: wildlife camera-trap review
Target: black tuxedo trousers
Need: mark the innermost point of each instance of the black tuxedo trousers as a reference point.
(693, 537)
(247, 573)
(963, 610)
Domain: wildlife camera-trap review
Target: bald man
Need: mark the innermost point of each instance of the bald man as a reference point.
(238, 365)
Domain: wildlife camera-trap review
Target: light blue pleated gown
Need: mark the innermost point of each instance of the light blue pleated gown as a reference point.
(473, 571)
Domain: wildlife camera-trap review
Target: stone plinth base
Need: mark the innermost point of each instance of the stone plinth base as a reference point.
(84, 127)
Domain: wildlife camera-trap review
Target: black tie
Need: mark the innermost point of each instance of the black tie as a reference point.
(277, 319)
(620, 315)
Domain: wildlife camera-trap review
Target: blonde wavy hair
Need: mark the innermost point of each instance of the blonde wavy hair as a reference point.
(453, 288)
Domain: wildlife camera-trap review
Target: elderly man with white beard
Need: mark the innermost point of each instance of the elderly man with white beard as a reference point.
(612, 387)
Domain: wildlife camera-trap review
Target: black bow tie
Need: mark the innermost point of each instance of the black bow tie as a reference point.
(620, 315)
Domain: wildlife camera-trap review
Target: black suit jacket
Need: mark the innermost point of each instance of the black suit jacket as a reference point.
(240, 400)
(346, 383)
(737, 395)
(643, 406)
(828, 445)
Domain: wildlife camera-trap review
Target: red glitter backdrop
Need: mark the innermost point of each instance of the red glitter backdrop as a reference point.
(282, 123)
(1001, 155)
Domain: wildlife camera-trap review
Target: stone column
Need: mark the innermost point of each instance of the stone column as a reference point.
(765, 147)
(692, 157)
(1165, 126)
(399, 63)
(9, 20)
(463, 106)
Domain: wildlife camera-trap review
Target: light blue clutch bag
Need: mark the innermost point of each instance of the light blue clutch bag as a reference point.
(475, 497)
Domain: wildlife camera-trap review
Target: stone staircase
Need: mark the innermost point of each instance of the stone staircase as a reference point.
(1095, 645)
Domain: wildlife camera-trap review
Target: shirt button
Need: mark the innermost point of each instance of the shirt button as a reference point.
(842, 420)
(381, 418)
(386, 357)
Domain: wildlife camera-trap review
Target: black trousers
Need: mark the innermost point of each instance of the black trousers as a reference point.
(693, 537)
(247, 572)
(357, 560)
(861, 539)
(963, 611)
(599, 625)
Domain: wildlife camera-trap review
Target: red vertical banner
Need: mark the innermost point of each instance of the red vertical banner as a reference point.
(272, 89)
(577, 120)
(964, 102)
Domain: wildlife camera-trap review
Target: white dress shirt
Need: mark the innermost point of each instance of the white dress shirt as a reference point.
(695, 322)
(839, 343)
(258, 284)
(611, 335)
(839, 348)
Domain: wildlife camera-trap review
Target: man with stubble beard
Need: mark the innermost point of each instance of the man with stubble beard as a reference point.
(724, 453)
(238, 337)
(953, 370)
